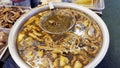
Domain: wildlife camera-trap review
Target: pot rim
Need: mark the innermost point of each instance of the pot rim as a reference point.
(17, 26)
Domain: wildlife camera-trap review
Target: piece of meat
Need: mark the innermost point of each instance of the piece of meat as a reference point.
(3, 37)
(8, 15)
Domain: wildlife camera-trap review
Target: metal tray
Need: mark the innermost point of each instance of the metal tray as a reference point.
(95, 5)
(4, 48)
(7, 30)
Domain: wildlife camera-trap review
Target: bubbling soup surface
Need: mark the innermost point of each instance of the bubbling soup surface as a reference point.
(73, 49)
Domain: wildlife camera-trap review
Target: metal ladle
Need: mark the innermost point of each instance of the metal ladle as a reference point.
(57, 21)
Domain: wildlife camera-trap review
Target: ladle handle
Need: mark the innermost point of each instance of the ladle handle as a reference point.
(51, 6)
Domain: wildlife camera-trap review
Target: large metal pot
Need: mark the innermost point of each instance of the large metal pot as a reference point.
(19, 23)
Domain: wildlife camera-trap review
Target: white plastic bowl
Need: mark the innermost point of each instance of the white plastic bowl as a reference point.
(19, 23)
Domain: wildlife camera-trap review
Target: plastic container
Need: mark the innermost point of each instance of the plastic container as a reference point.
(96, 5)
(92, 4)
(23, 3)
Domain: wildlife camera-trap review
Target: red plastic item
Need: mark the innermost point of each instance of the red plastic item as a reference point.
(18, 0)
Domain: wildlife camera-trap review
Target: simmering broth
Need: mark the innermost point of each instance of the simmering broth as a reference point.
(73, 49)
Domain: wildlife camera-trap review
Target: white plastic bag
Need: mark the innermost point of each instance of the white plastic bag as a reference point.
(5, 2)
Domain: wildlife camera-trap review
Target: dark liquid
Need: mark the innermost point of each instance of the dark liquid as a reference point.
(58, 23)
